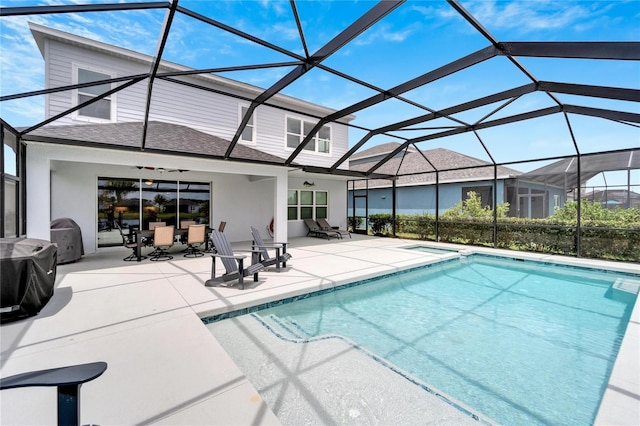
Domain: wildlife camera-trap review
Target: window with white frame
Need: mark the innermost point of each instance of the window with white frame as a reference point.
(305, 204)
(101, 110)
(248, 133)
(298, 129)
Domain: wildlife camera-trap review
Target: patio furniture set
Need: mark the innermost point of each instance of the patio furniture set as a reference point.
(163, 237)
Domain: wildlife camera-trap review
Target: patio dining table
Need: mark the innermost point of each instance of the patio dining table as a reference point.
(141, 234)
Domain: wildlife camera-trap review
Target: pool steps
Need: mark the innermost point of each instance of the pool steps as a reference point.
(292, 331)
(288, 328)
(627, 285)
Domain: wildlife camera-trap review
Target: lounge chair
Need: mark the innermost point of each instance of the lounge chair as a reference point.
(325, 226)
(264, 258)
(233, 263)
(316, 231)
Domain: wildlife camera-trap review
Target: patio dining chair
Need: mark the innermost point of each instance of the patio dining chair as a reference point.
(129, 242)
(185, 224)
(265, 258)
(154, 225)
(162, 241)
(233, 263)
(195, 238)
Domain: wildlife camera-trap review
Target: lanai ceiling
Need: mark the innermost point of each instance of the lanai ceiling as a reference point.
(471, 84)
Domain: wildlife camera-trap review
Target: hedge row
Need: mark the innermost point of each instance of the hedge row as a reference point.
(599, 239)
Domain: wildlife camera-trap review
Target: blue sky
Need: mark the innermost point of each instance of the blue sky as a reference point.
(417, 37)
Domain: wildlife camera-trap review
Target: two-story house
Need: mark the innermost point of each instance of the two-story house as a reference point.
(89, 165)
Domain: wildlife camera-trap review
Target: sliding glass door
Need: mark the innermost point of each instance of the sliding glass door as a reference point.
(132, 203)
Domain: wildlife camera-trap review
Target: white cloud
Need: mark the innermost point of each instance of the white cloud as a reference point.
(383, 32)
(529, 16)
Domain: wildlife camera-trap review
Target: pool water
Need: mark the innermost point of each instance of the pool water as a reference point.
(520, 342)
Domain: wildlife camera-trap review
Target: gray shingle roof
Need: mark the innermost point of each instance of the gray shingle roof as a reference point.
(384, 148)
(161, 137)
(415, 170)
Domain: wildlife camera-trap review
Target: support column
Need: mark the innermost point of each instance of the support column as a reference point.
(281, 191)
(38, 196)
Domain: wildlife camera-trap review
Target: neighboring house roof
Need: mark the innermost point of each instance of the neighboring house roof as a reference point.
(414, 169)
(614, 197)
(161, 138)
(564, 173)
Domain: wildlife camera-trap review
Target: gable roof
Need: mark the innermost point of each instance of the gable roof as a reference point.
(162, 138)
(414, 169)
(41, 32)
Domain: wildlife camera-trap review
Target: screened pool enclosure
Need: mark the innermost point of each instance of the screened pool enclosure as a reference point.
(507, 124)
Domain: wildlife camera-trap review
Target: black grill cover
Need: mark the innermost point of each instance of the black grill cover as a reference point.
(28, 272)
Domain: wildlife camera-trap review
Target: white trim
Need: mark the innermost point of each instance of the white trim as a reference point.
(75, 67)
(315, 138)
(313, 206)
(252, 123)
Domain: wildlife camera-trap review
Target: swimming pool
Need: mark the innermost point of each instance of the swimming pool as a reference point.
(521, 342)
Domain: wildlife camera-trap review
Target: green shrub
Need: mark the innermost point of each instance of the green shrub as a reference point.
(354, 222)
(380, 223)
(605, 233)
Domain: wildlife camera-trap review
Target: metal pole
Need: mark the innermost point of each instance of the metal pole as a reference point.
(437, 230)
(393, 207)
(495, 205)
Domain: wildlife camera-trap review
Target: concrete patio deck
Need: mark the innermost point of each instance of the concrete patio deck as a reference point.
(165, 367)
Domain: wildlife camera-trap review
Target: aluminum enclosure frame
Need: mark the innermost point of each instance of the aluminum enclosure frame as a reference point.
(303, 63)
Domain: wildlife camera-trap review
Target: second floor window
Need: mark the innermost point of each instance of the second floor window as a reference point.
(248, 134)
(98, 110)
(298, 129)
